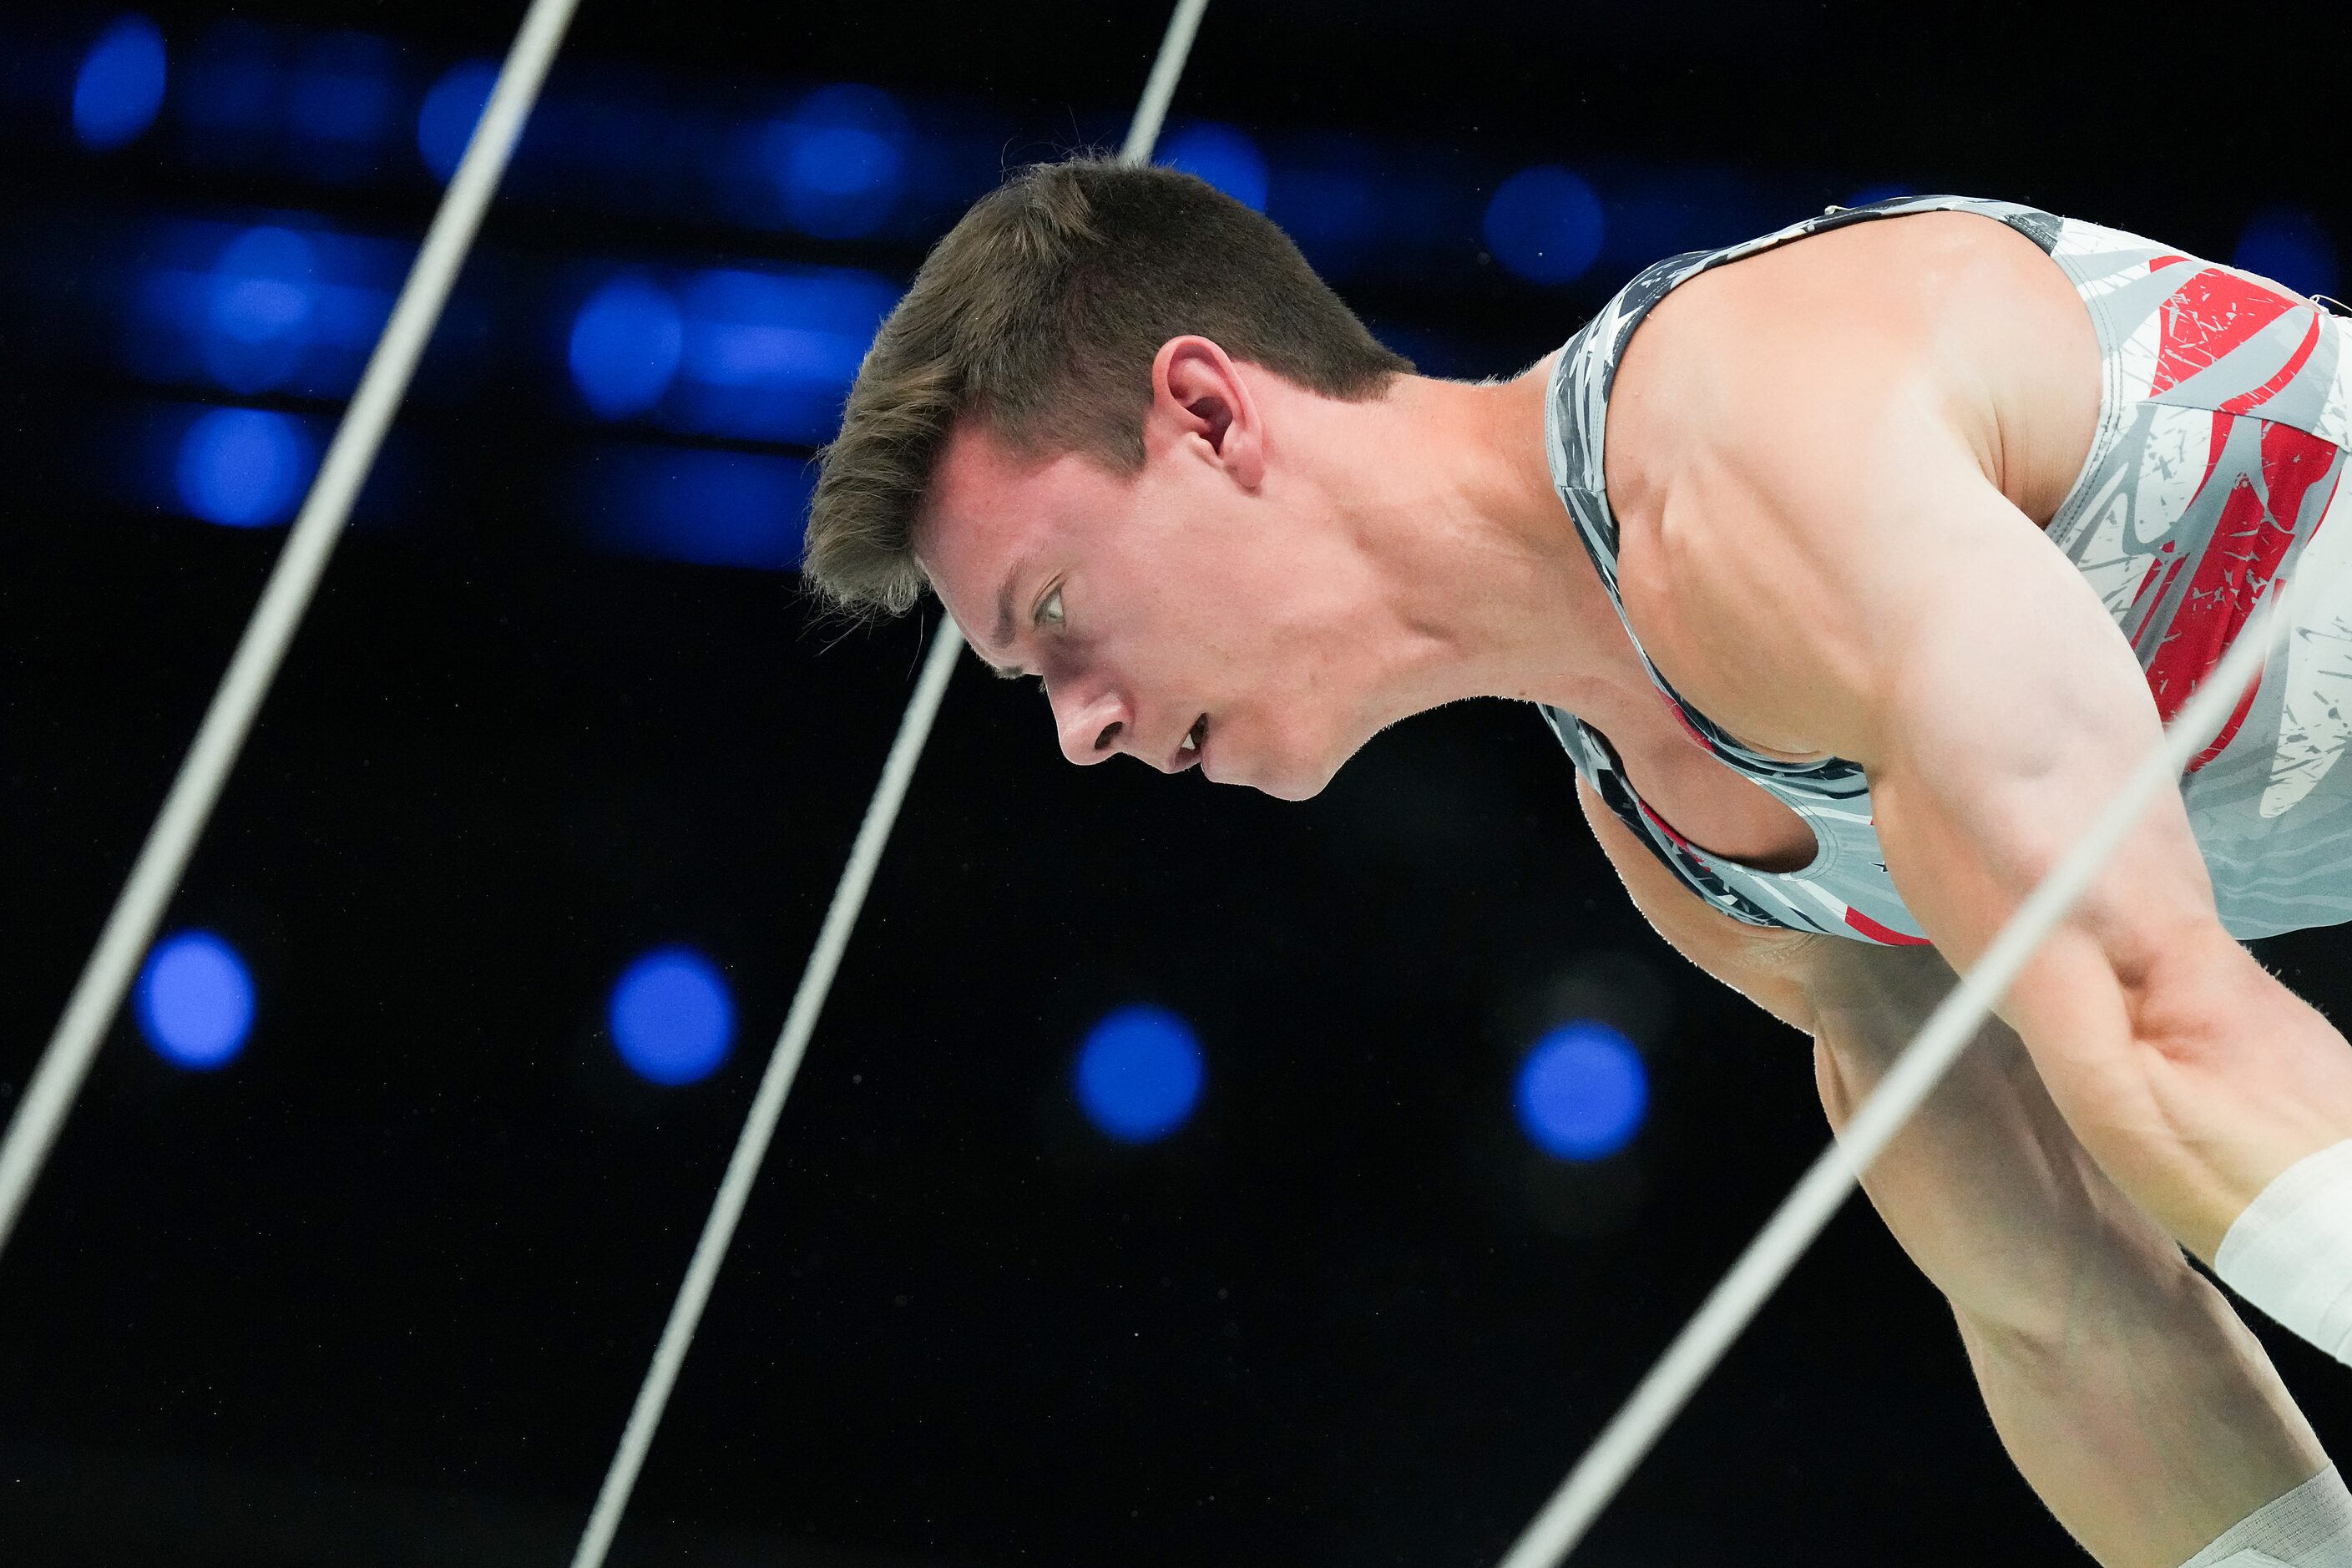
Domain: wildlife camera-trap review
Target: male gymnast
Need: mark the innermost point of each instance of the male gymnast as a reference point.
(1855, 568)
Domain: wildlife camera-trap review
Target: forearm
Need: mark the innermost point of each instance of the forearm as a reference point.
(2154, 1427)
(2130, 1397)
(2193, 1075)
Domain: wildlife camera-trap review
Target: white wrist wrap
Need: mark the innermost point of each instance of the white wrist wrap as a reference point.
(2311, 1527)
(2291, 1252)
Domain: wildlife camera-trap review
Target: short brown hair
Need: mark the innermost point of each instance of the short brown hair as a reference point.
(1040, 314)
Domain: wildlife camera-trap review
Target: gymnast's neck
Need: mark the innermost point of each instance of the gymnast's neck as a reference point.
(1447, 492)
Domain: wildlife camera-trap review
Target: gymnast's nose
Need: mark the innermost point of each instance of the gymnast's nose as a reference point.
(1092, 729)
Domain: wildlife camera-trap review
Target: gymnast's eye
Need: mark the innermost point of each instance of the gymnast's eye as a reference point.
(1049, 614)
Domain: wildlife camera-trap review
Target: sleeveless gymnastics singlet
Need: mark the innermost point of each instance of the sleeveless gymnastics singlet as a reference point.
(2225, 411)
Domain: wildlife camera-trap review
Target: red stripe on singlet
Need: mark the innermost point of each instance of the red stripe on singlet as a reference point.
(2238, 563)
(1661, 825)
(2209, 314)
(1879, 933)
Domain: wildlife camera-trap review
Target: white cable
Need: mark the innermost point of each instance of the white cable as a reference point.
(1809, 1207)
(1159, 86)
(96, 996)
(768, 1104)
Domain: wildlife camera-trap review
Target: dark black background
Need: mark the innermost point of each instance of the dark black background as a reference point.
(382, 1291)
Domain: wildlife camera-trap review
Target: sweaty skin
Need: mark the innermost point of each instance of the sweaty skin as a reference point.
(1831, 463)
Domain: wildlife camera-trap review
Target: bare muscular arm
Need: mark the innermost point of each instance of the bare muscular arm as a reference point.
(1829, 545)
(2128, 1393)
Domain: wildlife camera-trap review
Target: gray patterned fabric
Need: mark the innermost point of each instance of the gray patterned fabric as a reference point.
(2225, 412)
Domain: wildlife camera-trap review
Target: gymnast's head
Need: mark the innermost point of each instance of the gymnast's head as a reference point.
(1108, 426)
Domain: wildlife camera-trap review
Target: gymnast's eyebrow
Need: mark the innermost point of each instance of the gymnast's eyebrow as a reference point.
(999, 637)
(1002, 637)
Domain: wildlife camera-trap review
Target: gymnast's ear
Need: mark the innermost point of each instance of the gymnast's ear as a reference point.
(1198, 395)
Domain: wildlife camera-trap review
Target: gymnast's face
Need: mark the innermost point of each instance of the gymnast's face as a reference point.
(1196, 612)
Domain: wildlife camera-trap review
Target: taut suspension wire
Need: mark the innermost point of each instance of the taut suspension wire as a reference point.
(816, 980)
(1809, 1207)
(162, 859)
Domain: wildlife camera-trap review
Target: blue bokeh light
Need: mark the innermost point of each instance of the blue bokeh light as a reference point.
(1545, 225)
(771, 355)
(2288, 246)
(445, 121)
(625, 345)
(286, 306)
(1581, 1091)
(839, 160)
(243, 468)
(194, 1000)
(1138, 1074)
(749, 328)
(672, 1016)
(1221, 154)
(120, 85)
(259, 317)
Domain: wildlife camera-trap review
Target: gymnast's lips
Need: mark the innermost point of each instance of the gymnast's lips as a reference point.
(1186, 754)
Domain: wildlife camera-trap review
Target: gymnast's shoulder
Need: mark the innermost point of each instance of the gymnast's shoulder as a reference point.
(1788, 434)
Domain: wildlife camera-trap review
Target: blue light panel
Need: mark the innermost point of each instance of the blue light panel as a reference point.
(1325, 191)
(708, 508)
(2289, 246)
(625, 343)
(243, 468)
(769, 355)
(120, 85)
(194, 1000)
(1582, 1092)
(1545, 225)
(1138, 1074)
(445, 121)
(260, 320)
(342, 103)
(1657, 210)
(277, 307)
(1885, 191)
(234, 85)
(1224, 156)
(839, 160)
(672, 1016)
